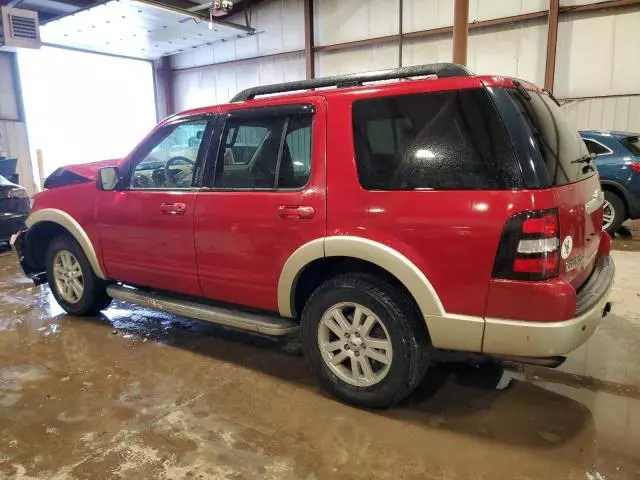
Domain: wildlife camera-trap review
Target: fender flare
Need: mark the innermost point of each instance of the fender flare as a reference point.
(364, 249)
(67, 222)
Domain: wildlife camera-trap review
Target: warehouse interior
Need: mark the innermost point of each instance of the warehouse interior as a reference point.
(135, 393)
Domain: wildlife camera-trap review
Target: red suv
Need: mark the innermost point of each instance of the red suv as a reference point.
(385, 220)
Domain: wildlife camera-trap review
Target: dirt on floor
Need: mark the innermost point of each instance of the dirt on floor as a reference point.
(138, 394)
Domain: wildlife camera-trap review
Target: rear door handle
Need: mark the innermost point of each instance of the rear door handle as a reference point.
(296, 212)
(173, 208)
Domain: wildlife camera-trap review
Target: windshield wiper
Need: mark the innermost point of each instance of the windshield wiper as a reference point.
(584, 159)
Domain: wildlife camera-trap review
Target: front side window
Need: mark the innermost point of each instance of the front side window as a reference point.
(441, 140)
(264, 153)
(172, 160)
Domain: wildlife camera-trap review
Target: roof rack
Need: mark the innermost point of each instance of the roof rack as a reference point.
(441, 70)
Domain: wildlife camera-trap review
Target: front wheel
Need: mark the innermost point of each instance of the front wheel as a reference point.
(613, 213)
(364, 340)
(72, 281)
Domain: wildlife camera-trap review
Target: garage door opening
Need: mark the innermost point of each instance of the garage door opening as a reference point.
(83, 107)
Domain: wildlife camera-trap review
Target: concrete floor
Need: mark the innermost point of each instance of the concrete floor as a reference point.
(137, 394)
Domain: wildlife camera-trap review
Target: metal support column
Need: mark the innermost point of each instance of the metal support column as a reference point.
(308, 39)
(460, 31)
(552, 43)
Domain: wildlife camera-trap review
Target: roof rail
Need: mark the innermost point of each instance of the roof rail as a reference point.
(442, 70)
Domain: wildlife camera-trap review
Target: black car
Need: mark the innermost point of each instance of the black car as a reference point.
(14, 208)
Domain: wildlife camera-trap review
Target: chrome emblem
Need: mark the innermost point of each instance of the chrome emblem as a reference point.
(595, 203)
(567, 246)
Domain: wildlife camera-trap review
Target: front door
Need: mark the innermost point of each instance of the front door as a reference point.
(146, 225)
(266, 199)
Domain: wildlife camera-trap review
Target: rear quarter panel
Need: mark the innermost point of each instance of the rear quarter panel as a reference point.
(451, 236)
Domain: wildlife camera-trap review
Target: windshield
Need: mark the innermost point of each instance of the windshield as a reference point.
(565, 155)
(633, 144)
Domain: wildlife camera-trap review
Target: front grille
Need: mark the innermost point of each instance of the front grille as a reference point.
(23, 27)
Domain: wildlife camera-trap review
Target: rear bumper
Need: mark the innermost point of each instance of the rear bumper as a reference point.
(547, 339)
(10, 224)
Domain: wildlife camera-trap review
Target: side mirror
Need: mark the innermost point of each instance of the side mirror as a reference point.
(108, 178)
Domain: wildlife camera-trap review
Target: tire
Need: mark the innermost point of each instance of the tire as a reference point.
(399, 321)
(93, 295)
(615, 203)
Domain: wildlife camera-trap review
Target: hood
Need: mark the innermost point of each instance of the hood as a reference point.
(90, 170)
(81, 173)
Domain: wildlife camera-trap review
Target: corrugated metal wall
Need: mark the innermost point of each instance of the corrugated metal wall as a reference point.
(613, 113)
(280, 26)
(593, 54)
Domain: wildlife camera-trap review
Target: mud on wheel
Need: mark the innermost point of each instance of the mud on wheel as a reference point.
(364, 340)
(72, 281)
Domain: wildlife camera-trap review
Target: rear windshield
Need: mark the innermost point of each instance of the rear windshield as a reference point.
(633, 144)
(450, 140)
(565, 154)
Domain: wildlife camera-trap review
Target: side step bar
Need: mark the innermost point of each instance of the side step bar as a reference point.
(252, 322)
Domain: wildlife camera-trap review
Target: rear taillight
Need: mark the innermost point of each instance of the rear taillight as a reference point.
(530, 247)
(635, 167)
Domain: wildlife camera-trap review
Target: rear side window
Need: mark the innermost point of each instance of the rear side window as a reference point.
(633, 144)
(442, 140)
(595, 147)
(565, 154)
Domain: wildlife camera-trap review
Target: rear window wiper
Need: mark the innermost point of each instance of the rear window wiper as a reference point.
(584, 159)
(522, 91)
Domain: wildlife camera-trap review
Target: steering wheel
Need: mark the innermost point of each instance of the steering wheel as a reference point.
(169, 176)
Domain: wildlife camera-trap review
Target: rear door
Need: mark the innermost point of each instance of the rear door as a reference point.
(572, 179)
(266, 198)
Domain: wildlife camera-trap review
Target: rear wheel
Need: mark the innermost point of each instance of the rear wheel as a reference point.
(613, 213)
(364, 340)
(72, 281)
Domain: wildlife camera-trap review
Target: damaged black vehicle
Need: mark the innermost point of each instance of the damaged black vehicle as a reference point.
(14, 208)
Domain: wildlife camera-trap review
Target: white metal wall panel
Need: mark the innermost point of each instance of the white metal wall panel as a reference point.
(218, 83)
(518, 52)
(361, 59)
(8, 104)
(613, 113)
(593, 55)
(14, 141)
(338, 21)
(427, 50)
(280, 27)
(428, 14)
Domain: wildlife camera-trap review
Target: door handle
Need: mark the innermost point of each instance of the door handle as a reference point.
(296, 212)
(173, 208)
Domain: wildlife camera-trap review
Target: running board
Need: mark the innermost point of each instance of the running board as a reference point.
(252, 322)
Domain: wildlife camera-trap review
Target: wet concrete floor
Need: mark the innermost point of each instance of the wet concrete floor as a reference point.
(137, 394)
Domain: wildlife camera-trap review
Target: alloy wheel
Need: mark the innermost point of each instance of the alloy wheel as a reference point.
(355, 344)
(608, 215)
(68, 278)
